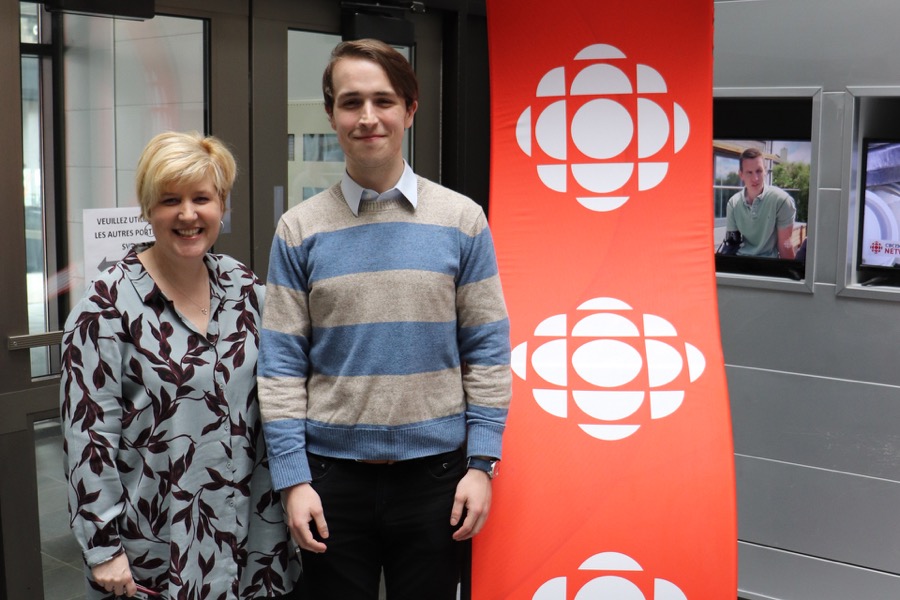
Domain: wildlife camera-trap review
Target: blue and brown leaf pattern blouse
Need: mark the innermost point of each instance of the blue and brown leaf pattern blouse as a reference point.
(165, 456)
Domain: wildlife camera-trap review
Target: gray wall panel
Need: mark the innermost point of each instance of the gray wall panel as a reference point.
(828, 43)
(825, 423)
(767, 573)
(831, 148)
(837, 516)
(829, 203)
(817, 334)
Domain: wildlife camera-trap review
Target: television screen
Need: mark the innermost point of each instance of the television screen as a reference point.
(760, 213)
(778, 131)
(879, 235)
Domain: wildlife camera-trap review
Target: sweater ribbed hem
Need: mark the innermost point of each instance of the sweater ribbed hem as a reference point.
(387, 443)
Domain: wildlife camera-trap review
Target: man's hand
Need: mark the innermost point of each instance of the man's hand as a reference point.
(115, 576)
(301, 506)
(473, 493)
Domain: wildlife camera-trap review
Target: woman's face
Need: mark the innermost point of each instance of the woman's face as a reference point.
(186, 220)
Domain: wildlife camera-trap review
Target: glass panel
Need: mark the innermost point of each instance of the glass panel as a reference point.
(125, 82)
(728, 182)
(29, 23)
(317, 161)
(32, 176)
(60, 554)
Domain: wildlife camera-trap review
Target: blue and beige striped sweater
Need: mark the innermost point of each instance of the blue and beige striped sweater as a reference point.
(385, 336)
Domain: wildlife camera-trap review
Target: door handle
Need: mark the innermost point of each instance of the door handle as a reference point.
(34, 340)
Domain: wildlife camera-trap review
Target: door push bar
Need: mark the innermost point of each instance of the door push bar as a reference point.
(34, 340)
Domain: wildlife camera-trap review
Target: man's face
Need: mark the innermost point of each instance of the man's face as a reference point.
(369, 116)
(753, 174)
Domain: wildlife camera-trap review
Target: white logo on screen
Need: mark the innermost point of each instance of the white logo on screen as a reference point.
(603, 127)
(609, 587)
(625, 362)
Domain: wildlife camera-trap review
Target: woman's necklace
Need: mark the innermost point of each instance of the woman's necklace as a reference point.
(202, 309)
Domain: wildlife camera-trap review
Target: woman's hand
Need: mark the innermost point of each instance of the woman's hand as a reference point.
(115, 576)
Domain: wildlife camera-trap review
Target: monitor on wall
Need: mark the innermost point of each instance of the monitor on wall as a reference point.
(878, 255)
(777, 131)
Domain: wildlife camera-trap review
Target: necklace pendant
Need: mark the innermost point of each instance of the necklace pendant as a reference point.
(204, 311)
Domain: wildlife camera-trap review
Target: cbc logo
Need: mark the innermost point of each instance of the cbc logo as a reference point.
(603, 127)
(609, 587)
(625, 363)
(887, 247)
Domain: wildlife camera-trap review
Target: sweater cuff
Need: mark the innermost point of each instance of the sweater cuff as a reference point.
(484, 440)
(289, 469)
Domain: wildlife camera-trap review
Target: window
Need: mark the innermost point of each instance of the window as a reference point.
(778, 132)
(36, 52)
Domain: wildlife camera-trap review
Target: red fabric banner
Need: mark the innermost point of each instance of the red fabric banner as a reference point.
(617, 478)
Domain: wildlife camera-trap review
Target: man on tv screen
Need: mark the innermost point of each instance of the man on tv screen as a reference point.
(759, 218)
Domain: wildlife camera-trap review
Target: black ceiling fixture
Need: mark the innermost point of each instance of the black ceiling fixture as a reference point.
(124, 9)
(384, 20)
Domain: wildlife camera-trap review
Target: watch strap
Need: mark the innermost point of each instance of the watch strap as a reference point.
(488, 465)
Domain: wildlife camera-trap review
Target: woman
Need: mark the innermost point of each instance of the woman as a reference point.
(169, 485)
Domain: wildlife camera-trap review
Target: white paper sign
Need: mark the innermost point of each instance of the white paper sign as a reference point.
(109, 233)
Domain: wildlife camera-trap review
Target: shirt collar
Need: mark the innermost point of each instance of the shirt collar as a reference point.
(150, 292)
(407, 185)
(761, 192)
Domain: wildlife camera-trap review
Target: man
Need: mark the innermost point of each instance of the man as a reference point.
(384, 362)
(760, 218)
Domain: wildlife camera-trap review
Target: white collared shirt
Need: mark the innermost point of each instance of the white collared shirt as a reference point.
(406, 186)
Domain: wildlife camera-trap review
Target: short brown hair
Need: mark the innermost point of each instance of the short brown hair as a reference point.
(399, 72)
(176, 157)
(749, 154)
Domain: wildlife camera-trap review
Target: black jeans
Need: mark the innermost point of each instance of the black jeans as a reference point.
(394, 517)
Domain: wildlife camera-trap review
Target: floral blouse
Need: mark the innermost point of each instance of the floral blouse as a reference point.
(163, 439)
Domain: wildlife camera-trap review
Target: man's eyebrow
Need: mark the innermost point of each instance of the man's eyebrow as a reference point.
(378, 94)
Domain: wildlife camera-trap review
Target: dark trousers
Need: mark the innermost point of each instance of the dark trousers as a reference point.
(394, 517)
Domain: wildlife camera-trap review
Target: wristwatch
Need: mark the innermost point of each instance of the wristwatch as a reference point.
(488, 465)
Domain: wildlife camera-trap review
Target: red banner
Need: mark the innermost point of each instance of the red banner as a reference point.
(617, 477)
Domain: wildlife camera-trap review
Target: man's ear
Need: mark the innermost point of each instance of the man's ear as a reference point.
(410, 112)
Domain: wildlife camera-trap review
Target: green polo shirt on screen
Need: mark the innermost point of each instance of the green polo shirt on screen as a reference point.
(760, 221)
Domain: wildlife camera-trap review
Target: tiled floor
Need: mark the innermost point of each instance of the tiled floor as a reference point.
(63, 575)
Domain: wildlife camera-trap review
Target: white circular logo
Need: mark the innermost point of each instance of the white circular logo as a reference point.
(610, 586)
(621, 126)
(621, 362)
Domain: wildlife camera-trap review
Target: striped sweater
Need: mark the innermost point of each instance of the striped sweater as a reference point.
(385, 336)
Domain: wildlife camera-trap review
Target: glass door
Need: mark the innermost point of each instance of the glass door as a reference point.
(297, 38)
(82, 96)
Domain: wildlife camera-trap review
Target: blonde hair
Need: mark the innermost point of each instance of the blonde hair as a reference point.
(176, 157)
